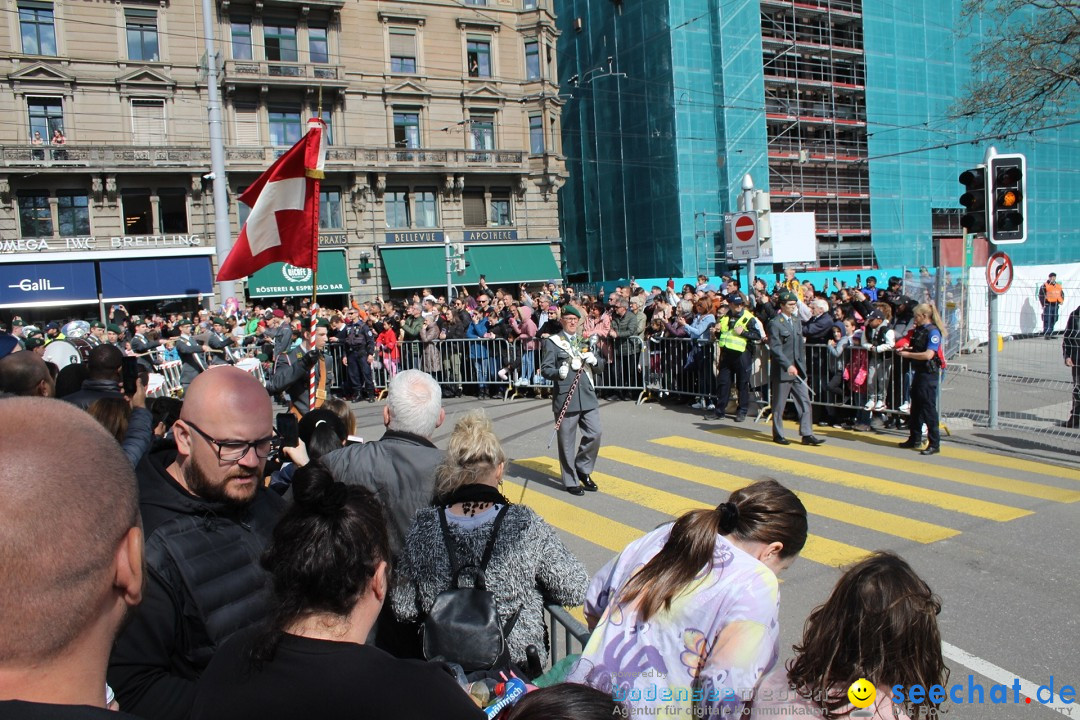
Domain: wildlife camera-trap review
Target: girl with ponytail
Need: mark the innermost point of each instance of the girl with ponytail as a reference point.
(328, 566)
(686, 616)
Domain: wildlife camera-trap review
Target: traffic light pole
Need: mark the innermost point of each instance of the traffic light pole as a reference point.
(748, 205)
(992, 330)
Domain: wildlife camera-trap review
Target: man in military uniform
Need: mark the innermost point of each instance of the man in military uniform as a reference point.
(736, 334)
(113, 335)
(192, 362)
(570, 366)
(293, 371)
(359, 352)
(97, 334)
(787, 372)
(219, 342)
(143, 347)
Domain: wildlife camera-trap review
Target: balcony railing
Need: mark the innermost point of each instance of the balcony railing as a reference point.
(104, 156)
(389, 158)
(262, 71)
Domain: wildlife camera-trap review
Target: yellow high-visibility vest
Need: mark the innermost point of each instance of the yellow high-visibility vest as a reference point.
(728, 339)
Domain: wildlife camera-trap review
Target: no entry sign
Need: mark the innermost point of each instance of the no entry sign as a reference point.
(999, 273)
(742, 236)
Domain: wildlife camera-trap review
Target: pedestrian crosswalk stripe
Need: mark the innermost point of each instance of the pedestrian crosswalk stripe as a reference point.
(846, 453)
(883, 522)
(593, 527)
(818, 549)
(981, 457)
(911, 493)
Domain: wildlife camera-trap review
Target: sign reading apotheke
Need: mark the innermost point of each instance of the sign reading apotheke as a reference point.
(282, 279)
(488, 235)
(91, 242)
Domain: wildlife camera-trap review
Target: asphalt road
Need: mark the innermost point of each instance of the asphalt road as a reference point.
(995, 535)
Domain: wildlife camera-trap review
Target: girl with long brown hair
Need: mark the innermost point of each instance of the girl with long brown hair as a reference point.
(687, 615)
(879, 624)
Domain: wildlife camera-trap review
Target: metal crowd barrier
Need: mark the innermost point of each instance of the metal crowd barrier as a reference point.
(563, 626)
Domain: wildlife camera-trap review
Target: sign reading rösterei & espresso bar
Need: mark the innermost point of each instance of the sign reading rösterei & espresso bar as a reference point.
(278, 279)
(488, 235)
(420, 236)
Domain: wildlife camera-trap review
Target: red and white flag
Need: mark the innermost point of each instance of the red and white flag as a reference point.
(283, 225)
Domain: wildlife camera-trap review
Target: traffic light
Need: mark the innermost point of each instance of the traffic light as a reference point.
(1008, 199)
(974, 200)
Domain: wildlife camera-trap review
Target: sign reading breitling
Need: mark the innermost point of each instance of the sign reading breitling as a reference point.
(90, 242)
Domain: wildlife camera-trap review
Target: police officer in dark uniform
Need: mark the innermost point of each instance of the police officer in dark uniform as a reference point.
(219, 342)
(360, 351)
(737, 333)
(143, 347)
(923, 350)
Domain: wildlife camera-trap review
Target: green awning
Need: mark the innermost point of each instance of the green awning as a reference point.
(281, 279)
(420, 267)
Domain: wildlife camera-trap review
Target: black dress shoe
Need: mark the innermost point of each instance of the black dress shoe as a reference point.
(576, 490)
(781, 441)
(930, 450)
(588, 484)
(811, 440)
(909, 444)
(740, 418)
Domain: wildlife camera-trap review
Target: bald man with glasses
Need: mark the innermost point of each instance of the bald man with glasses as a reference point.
(207, 520)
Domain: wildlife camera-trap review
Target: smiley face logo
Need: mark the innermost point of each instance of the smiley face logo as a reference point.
(862, 693)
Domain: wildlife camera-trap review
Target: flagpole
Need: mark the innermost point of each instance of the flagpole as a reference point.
(316, 175)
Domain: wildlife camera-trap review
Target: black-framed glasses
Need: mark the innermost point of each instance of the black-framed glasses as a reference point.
(234, 450)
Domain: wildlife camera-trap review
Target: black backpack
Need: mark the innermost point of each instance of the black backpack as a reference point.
(463, 625)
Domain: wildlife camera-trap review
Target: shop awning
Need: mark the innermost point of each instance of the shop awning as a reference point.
(47, 283)
(419, 267)
(281, 279)
(155, 278)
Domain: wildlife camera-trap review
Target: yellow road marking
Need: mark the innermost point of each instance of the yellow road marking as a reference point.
(818, 549)
(936, 498)
(590, 526)
(846, 453)
(883, 522)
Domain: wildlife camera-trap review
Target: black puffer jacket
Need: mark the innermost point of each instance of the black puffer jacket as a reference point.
(203, 583)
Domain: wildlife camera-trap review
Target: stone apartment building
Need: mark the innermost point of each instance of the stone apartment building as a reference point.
(443, 119)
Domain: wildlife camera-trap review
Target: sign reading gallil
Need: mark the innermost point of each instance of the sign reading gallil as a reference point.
(282, 279)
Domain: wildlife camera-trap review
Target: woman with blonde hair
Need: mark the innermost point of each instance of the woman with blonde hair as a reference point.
(529, 566)
(925, 351)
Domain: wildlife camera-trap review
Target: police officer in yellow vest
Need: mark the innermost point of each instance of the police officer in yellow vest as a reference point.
(736, 334)
(1051, 297)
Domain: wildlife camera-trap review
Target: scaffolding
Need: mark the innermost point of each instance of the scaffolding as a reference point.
(815, 111)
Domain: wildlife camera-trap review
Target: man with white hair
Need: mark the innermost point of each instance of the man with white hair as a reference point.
(400, 467)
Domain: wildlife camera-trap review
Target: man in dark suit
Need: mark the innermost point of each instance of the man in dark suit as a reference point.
(788, 371)
(565, 362)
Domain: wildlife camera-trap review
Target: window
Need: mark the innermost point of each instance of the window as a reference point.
(536, 134)
(532, 60)
(280, 43)
(36, 27)
(478, 57)
(285, 126)
(241, 39)
(472, 203)
(330, 209)
(499, 209)
(481, 135)
(553, 122)
(242, 210)
(402, 50)
(318, 45)
(172, 210)
(247, 124)
(136, 207)
(142, 34)
(73, 213)
(529, 4)
(148, 122)
(46, 115)
(397, 208)
(35, 217)
(426, 205)
(406, 129)
(476, 2)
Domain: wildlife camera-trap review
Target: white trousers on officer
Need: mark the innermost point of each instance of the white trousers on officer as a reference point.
(582, 464)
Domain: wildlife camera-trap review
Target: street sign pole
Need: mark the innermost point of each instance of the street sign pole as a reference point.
(748, 204)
